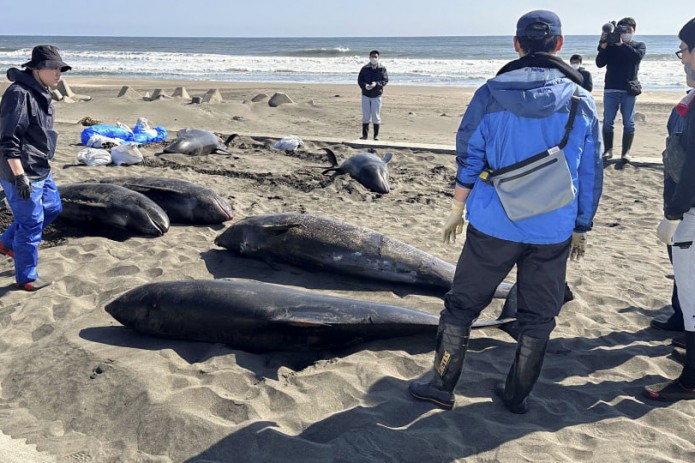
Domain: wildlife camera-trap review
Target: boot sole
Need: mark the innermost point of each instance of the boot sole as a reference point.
(445, 406)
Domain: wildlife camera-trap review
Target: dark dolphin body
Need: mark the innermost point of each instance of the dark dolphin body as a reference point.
(367, 168)
(184, 202)
(261, 317)
(197, 142)
(319, 243)
(113, 206)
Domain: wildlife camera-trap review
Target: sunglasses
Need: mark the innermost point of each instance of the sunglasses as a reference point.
(680, 52)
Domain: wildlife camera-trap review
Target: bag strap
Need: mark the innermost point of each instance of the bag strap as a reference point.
(488, 174)
(570, 121)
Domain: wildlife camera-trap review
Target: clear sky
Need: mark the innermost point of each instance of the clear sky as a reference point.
(324, 18)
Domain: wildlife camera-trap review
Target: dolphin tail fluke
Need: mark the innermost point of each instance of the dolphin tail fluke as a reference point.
(507, 319)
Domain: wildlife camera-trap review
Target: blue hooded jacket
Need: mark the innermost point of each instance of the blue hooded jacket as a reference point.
(512, 117)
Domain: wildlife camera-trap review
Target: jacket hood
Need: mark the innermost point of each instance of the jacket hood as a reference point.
(26, 79)
(534, 86)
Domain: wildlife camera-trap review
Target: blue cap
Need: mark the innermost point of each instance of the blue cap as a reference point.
(538, 23)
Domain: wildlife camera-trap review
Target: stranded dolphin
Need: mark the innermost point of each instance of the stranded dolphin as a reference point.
(261, 317)
(184, 202)
(102, 204)
(367, 168)
(197, 142)
(319, 243)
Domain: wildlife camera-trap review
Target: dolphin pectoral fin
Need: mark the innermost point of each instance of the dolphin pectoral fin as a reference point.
(387, 157)
(331, 156)
(332, 169)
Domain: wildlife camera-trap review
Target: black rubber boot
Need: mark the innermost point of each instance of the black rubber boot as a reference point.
(523, 374)
(365, 131)
(627, 144)
(452, 343)
(607, 145)
(376, 131)
(682, 388)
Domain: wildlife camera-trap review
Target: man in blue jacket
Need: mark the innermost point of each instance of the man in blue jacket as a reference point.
(621, 60)
(519, 113)
(27, 144)
(372, 79)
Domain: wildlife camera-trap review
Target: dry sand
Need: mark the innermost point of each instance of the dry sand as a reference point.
(83, 388)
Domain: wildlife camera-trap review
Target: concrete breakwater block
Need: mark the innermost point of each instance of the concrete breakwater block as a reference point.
(279, 99)
(213, 96)
(129, 92)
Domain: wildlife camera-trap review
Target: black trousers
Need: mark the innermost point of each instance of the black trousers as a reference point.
(485, 261)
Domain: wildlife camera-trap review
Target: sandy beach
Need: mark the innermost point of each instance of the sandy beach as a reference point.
(81, 387)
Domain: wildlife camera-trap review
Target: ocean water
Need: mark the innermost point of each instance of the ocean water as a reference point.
(436, 61)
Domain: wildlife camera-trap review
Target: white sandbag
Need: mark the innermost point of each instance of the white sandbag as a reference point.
(94, 157)
(126, 154)
(289, 143)
(97, 141)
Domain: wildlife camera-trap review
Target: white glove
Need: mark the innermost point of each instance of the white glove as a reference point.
(369, 86)
(666, 229)
(454, 223)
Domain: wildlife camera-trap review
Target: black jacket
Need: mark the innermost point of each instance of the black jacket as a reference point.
(682, 195)
(368, 74)
(622, 63)
(26, 126)
(588, 81)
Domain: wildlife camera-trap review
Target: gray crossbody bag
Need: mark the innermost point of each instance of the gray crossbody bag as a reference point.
(539, 184)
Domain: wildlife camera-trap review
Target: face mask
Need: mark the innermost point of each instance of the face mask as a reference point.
(690, 74)
(626, 37)
(374, 61)
(575, 66)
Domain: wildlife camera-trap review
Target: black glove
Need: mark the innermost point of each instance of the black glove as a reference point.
(23, 185)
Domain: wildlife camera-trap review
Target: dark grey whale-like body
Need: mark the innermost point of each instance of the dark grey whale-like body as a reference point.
(184, 202)
(113, 206)
(319, 243)
(198, 142)
(367, 168)
(261, 317)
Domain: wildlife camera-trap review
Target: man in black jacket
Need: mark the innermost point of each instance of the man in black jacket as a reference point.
(372, 79)
(621, 59)
(27, 144)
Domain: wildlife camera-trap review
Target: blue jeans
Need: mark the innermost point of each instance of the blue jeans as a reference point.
(611, 102)
(31, 216)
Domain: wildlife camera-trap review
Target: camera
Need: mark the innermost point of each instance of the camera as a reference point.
(611, 32)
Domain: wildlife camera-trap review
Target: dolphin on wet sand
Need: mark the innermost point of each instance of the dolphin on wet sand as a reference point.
(319, 243)
(367, 168)
(108, 205)
(184, 202)
(261, 317)
(198, 142)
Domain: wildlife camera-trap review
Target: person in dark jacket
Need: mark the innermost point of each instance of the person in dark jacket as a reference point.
(674, 127)
(372, 79)
(27, 144)
(525, 110)
(621, 60)
(576, 63)
(677, 228)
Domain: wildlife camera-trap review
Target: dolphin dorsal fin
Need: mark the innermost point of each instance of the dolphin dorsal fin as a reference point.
(331, 157)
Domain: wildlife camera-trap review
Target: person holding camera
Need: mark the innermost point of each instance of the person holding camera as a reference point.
(621, 55)
(27, 144)
(535, 106)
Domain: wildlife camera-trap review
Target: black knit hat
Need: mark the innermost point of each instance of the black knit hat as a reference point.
(46, 56)
(687, 34)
